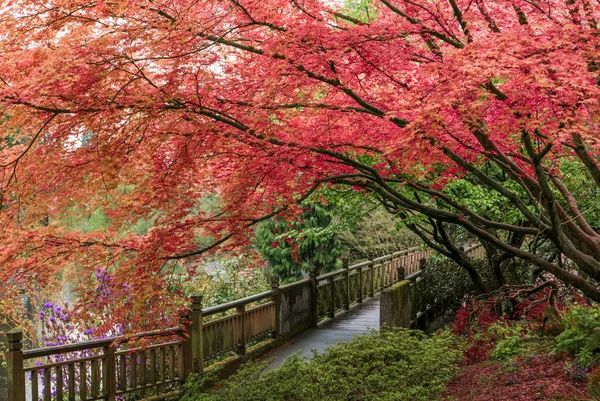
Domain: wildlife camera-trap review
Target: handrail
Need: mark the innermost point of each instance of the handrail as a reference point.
(369, 262)
(414, 276)
(331, 274)
(396, 254)
(359, 265)
(304, 280)
(104, 342)
(238, 302)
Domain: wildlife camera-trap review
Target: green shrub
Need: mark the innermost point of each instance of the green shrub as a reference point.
(509, 337)
(397, 365)
(581, 337)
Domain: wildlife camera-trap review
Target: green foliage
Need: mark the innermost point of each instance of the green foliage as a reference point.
(293, 246)
(363, 10)
(233, 279)
(507, 348)
(447, 284)
(509, 339)
(236, 281)
(484, 202)
(582, 334)
(392, 366)
(581, 185)
(365, 229)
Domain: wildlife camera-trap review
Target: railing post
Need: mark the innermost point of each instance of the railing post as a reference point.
(332, 292)
(345, 265)
(110, 372)
(241, 350)
(185, 359)
(359, 298)
(16, 376)
(276, 298)
(197, 346)
(422, 263)
(387, 273)
(314, 302)
(401, 273)
(372, 286)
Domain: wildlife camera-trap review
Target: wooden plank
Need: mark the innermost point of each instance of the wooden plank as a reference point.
(71, 375)
(94, 383)
(59, 383)
(332, 296)
(34, 385)
(109, 373)
(122, 372)
(82, 381)
(162, 377)
(172, 363)
(133, 370)
(47, 384)
(152, 366)
(143, 370)
(241, 310)
(180, 358)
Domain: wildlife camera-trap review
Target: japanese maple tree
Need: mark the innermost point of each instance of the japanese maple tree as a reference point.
(142, 108)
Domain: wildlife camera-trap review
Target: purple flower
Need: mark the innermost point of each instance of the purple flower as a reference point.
(48, 305)
(89, 331)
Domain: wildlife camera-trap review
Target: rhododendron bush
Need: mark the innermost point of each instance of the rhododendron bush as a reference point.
(141, 109)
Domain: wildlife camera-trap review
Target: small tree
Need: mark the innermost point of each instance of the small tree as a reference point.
(292, 246)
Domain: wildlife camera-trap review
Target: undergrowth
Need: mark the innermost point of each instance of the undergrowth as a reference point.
(392, 365)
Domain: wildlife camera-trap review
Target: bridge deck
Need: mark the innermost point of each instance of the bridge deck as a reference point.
(360, 319)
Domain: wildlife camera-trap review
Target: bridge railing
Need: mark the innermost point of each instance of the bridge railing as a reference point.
(97, 369)
(106, 369)
(338, 290)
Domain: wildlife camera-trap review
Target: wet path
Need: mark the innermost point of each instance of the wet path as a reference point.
(360, 319)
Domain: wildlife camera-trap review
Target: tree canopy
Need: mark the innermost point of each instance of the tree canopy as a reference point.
(140, 109)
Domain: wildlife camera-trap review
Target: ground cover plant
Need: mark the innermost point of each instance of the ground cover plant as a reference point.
(397, 365)
(530, 351)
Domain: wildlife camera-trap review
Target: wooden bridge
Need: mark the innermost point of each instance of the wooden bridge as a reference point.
(224, 335)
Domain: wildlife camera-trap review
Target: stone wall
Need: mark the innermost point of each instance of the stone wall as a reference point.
(294, 308)
(396, 306)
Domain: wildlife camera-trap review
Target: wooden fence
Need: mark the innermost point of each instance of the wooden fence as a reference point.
(106, 369)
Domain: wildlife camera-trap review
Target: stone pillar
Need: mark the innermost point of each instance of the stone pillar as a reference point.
(396, 306)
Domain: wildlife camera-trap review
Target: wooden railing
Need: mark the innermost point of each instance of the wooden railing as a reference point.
(338, 290)
(95, 370)
(105, 369)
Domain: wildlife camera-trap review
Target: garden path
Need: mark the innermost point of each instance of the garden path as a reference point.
(359, 320)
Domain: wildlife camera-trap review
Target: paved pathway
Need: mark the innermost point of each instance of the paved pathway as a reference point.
(360, 319)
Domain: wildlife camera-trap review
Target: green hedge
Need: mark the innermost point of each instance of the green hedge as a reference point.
(398, 365)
